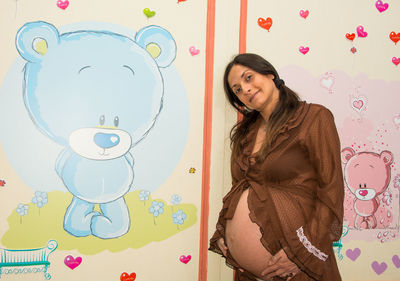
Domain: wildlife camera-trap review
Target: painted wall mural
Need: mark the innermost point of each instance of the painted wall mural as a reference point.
(96, 95)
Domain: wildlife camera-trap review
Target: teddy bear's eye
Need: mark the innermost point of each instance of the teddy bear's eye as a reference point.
(360, 185)
(116, 121)
(102, 120)
(365, 185)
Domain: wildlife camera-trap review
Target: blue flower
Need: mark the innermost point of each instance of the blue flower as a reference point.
(176, 199)
(22, 209)
(157, 208)
(179, 217)
(144, 195)
(40, 199)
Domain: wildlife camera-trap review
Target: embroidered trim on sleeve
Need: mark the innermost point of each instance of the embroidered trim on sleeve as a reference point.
(310, 247)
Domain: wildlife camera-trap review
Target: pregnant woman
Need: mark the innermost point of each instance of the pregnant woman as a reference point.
(285, 208)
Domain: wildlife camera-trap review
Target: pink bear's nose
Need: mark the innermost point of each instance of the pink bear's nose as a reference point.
(363, 192)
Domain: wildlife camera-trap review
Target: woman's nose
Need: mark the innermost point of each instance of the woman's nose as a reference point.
(247, 89)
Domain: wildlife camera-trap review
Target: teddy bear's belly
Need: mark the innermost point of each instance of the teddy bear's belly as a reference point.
(97, 181)
(243, 240)
(365, 208)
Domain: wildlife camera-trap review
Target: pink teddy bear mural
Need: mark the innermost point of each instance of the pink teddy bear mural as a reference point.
(367, 175)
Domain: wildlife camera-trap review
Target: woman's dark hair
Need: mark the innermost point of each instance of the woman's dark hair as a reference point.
(287, 105)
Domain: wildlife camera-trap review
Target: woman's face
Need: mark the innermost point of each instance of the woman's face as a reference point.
(256, 91)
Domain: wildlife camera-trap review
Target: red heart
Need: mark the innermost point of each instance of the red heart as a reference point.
(350, 36)
(265, 23)
(128, 277)
(394, 37)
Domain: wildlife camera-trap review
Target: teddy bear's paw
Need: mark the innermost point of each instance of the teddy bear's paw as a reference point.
(106, 228)
(114, 220)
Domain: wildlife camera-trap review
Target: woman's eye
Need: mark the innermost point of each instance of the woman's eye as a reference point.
(237, 91)
(248, 77)
(102, 120)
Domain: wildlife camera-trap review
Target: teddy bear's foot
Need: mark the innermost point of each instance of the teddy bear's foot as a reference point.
(78, 217)
(114, 222)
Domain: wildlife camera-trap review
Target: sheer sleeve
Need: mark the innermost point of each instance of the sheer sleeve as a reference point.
(314, 238)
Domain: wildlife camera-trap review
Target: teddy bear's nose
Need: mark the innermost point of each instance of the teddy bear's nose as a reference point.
(363, 192)
(106, 140)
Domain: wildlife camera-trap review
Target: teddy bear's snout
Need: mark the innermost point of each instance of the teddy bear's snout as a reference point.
(105, 141)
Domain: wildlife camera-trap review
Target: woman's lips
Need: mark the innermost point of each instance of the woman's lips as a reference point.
(253, 96)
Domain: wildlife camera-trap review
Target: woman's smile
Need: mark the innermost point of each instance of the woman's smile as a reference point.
(253, 96)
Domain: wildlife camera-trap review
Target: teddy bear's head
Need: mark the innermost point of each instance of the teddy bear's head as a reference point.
(97, 92)
(367, 174)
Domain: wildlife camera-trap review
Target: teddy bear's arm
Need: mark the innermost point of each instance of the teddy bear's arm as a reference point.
(62, 158)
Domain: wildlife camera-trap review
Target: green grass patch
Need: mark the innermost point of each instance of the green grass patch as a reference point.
(43, 224)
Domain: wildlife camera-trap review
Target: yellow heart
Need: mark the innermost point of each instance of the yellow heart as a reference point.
(149, 13)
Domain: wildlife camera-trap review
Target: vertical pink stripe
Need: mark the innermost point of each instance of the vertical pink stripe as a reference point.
(242, 34)
(205, 186)
(243, 26)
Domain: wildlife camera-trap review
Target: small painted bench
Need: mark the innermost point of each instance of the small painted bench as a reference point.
(27, 260)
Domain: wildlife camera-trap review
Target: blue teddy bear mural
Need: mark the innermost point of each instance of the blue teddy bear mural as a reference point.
(98, 94)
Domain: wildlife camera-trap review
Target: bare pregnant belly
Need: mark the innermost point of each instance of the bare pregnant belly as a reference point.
(243, 239)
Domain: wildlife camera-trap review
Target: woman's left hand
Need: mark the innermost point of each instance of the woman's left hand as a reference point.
(281, 266)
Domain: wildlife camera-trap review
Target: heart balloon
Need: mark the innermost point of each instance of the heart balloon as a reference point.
(304, 50)
(62, 4)
(128, 277)
(350, 36)
(185, 259)
(361, 32)
(72, 262)
(148, 12)
(394, 37)
(395, 60)
(381, 6)
(193, 51)
(265, 23)
(304, 14)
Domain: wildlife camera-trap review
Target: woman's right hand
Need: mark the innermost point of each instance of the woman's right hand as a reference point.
(222, 246)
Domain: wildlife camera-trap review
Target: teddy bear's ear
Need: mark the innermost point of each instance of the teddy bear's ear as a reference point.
(159, 43)
(387, 157)
(346, 154)
(34, 39)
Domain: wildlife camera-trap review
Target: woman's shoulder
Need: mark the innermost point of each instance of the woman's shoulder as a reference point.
(315, 109)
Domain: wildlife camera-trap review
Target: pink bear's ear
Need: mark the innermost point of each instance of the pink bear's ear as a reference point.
(347, 153)
(387, 157)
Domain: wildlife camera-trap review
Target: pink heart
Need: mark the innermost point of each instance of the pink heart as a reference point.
(72, 262)
(396, 261)
(185, 259)
(395, 60)
(304, 50)
(358, 104)
(379, 268)
(193, 51)
(304, 14)
(380, 6)
(361, 32)
(62, 4)
(353, 254)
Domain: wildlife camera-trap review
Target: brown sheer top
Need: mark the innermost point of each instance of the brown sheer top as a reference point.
(295, 195)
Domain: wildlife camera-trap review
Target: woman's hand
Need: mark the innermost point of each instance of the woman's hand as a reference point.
(281, 266)
(222, 246)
